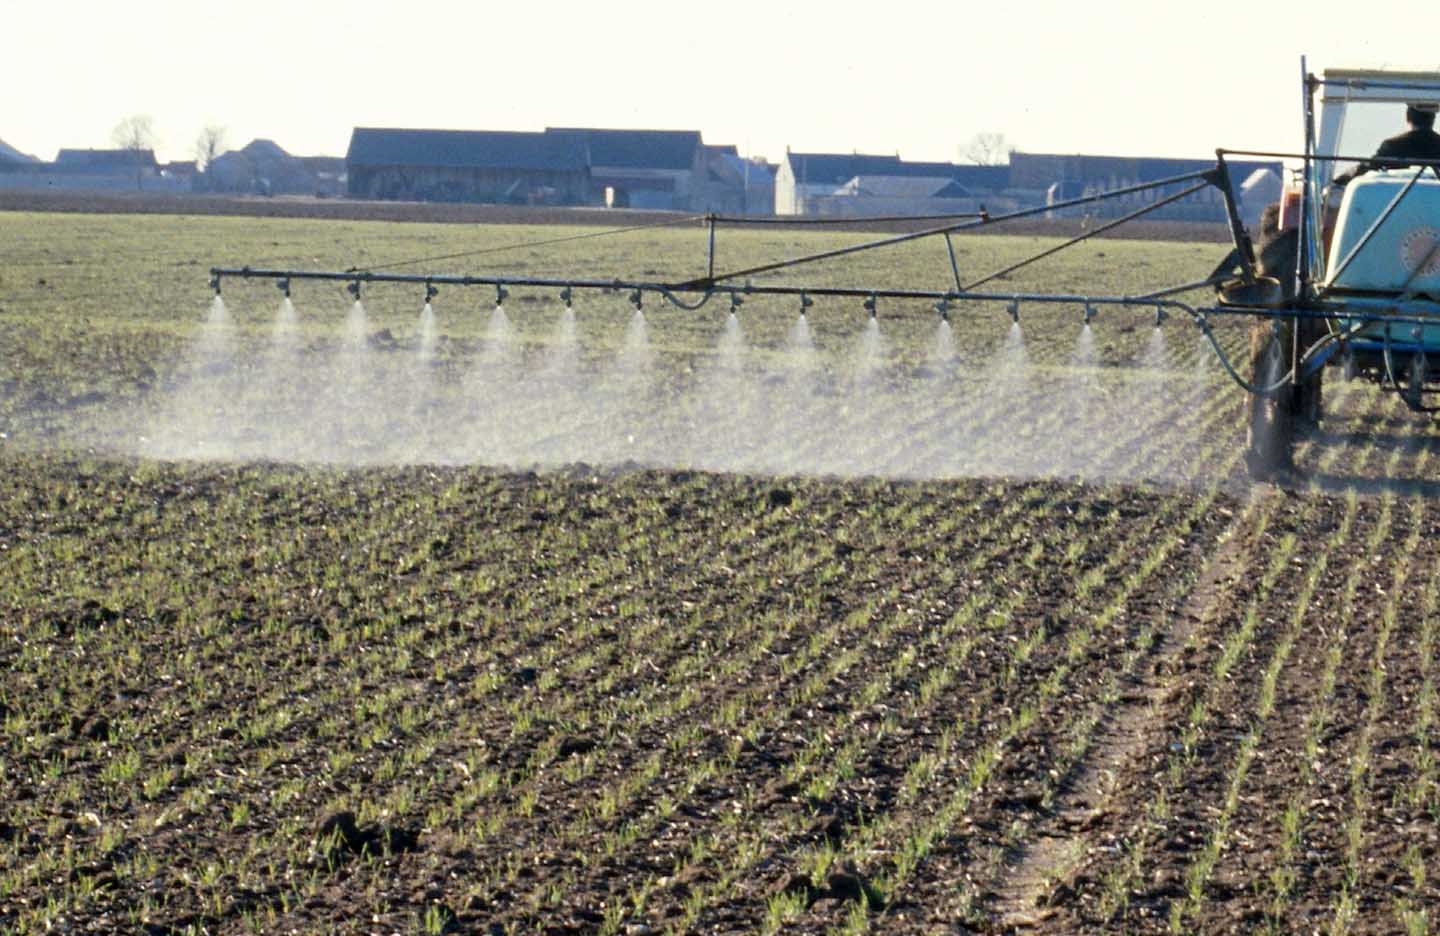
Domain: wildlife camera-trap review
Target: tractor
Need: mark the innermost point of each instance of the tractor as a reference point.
(1348, 263)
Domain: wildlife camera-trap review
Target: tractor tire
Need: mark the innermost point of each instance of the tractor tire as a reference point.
(1270, 440)
(1275, 255)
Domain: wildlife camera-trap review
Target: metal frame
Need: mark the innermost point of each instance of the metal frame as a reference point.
(1311, 302)
(737, 283)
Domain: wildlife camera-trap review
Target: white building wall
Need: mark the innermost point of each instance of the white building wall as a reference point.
(785, 200)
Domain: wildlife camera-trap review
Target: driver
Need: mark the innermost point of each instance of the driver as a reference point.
(1420, 142)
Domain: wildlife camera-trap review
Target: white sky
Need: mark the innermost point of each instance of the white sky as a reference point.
(1103, 76)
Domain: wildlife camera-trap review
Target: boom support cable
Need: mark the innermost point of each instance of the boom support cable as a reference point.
(949, 228)
(1184, 193)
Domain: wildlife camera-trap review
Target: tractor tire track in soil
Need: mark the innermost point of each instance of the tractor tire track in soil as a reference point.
(1036, 870)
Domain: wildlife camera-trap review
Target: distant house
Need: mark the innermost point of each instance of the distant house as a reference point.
(112, 170)
(263, 167)
(467, 166)
(93, 161)
(902, 187)
(12, 160)
(327, 174)
(1259, 189)
(182, 171)
(735, 185)
(859, 184)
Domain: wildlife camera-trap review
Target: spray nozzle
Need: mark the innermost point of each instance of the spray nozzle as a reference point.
(354, 289)
(1415, 333)
(284, 285)
(1014, 309)
(500, 293)
(870, 304)
(735, 302)
(430, 292)
(635, 300)
(942, 308)
(215, 283)
(1160, 316)
(1089, 313)
(567, 296)
(805, 303)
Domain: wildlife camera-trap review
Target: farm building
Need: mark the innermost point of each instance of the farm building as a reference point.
(1262, 187)
(12, 159)
(667, 170)
(106, 160)
(654, 169)
(1048, 179)
(467, 166)
(736, 185)
(857, 185)
(263, 167)
(94, 170)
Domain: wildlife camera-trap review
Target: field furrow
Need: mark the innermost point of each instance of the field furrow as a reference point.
(346, 618)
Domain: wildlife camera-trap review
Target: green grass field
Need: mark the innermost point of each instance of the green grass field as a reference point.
(1098, 683)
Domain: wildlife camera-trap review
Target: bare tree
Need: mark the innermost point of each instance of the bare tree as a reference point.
(987, 149)
(136, 134)
(208, 145)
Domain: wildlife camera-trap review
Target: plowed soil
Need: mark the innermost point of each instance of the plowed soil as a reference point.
(249, 696)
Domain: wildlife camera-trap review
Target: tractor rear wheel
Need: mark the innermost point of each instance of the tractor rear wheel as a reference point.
(1276, 255)
(1270, 441)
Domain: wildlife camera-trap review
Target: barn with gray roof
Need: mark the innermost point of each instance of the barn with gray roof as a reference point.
(11, 159)
(668, 170)
(655, 169)
(489, 166)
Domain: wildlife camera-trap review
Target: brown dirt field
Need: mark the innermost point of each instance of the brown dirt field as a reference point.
(258, 696)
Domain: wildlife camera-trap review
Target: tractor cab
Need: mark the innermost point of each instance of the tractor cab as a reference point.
(1347, 270)
(1374, 234)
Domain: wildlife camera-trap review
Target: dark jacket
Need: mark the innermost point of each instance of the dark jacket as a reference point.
(1415, 143)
